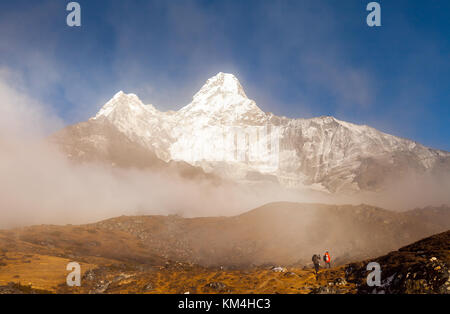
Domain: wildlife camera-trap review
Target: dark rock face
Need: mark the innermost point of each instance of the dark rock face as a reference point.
(420, 268)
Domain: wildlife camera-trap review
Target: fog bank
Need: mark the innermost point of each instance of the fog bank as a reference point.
(39, 185)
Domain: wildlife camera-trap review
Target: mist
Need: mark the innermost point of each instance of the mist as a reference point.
(39, 185)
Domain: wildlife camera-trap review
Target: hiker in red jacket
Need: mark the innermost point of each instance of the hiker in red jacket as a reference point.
(327, 259)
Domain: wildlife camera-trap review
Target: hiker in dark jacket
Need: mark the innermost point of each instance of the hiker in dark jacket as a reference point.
(316, 262)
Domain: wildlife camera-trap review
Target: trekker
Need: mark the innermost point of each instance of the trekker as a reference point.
(316, 262)
(327, 259)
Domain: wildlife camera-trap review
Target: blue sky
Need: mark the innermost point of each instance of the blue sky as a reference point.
(294, 58)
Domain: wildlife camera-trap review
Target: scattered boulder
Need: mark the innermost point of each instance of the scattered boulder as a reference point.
(290, 274)
(279, 269)
(218, 286)
(101, 287)
(339, 282)
(89, 275)
(148, 287)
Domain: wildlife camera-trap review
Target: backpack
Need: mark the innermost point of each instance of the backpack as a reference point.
(315, 259)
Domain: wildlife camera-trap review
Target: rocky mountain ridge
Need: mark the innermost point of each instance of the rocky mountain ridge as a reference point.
(225, 133)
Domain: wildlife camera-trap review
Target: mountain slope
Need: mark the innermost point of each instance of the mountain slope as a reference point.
(224, 132)
(421, 267)
(157, 254)
(100, 141)
(278, 233)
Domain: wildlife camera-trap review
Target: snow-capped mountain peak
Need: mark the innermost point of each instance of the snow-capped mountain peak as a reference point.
(124, 104)
(141, 123)
(223, 83)
(221, 99)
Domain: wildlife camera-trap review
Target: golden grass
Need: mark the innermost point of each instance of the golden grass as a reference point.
(38, 271)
